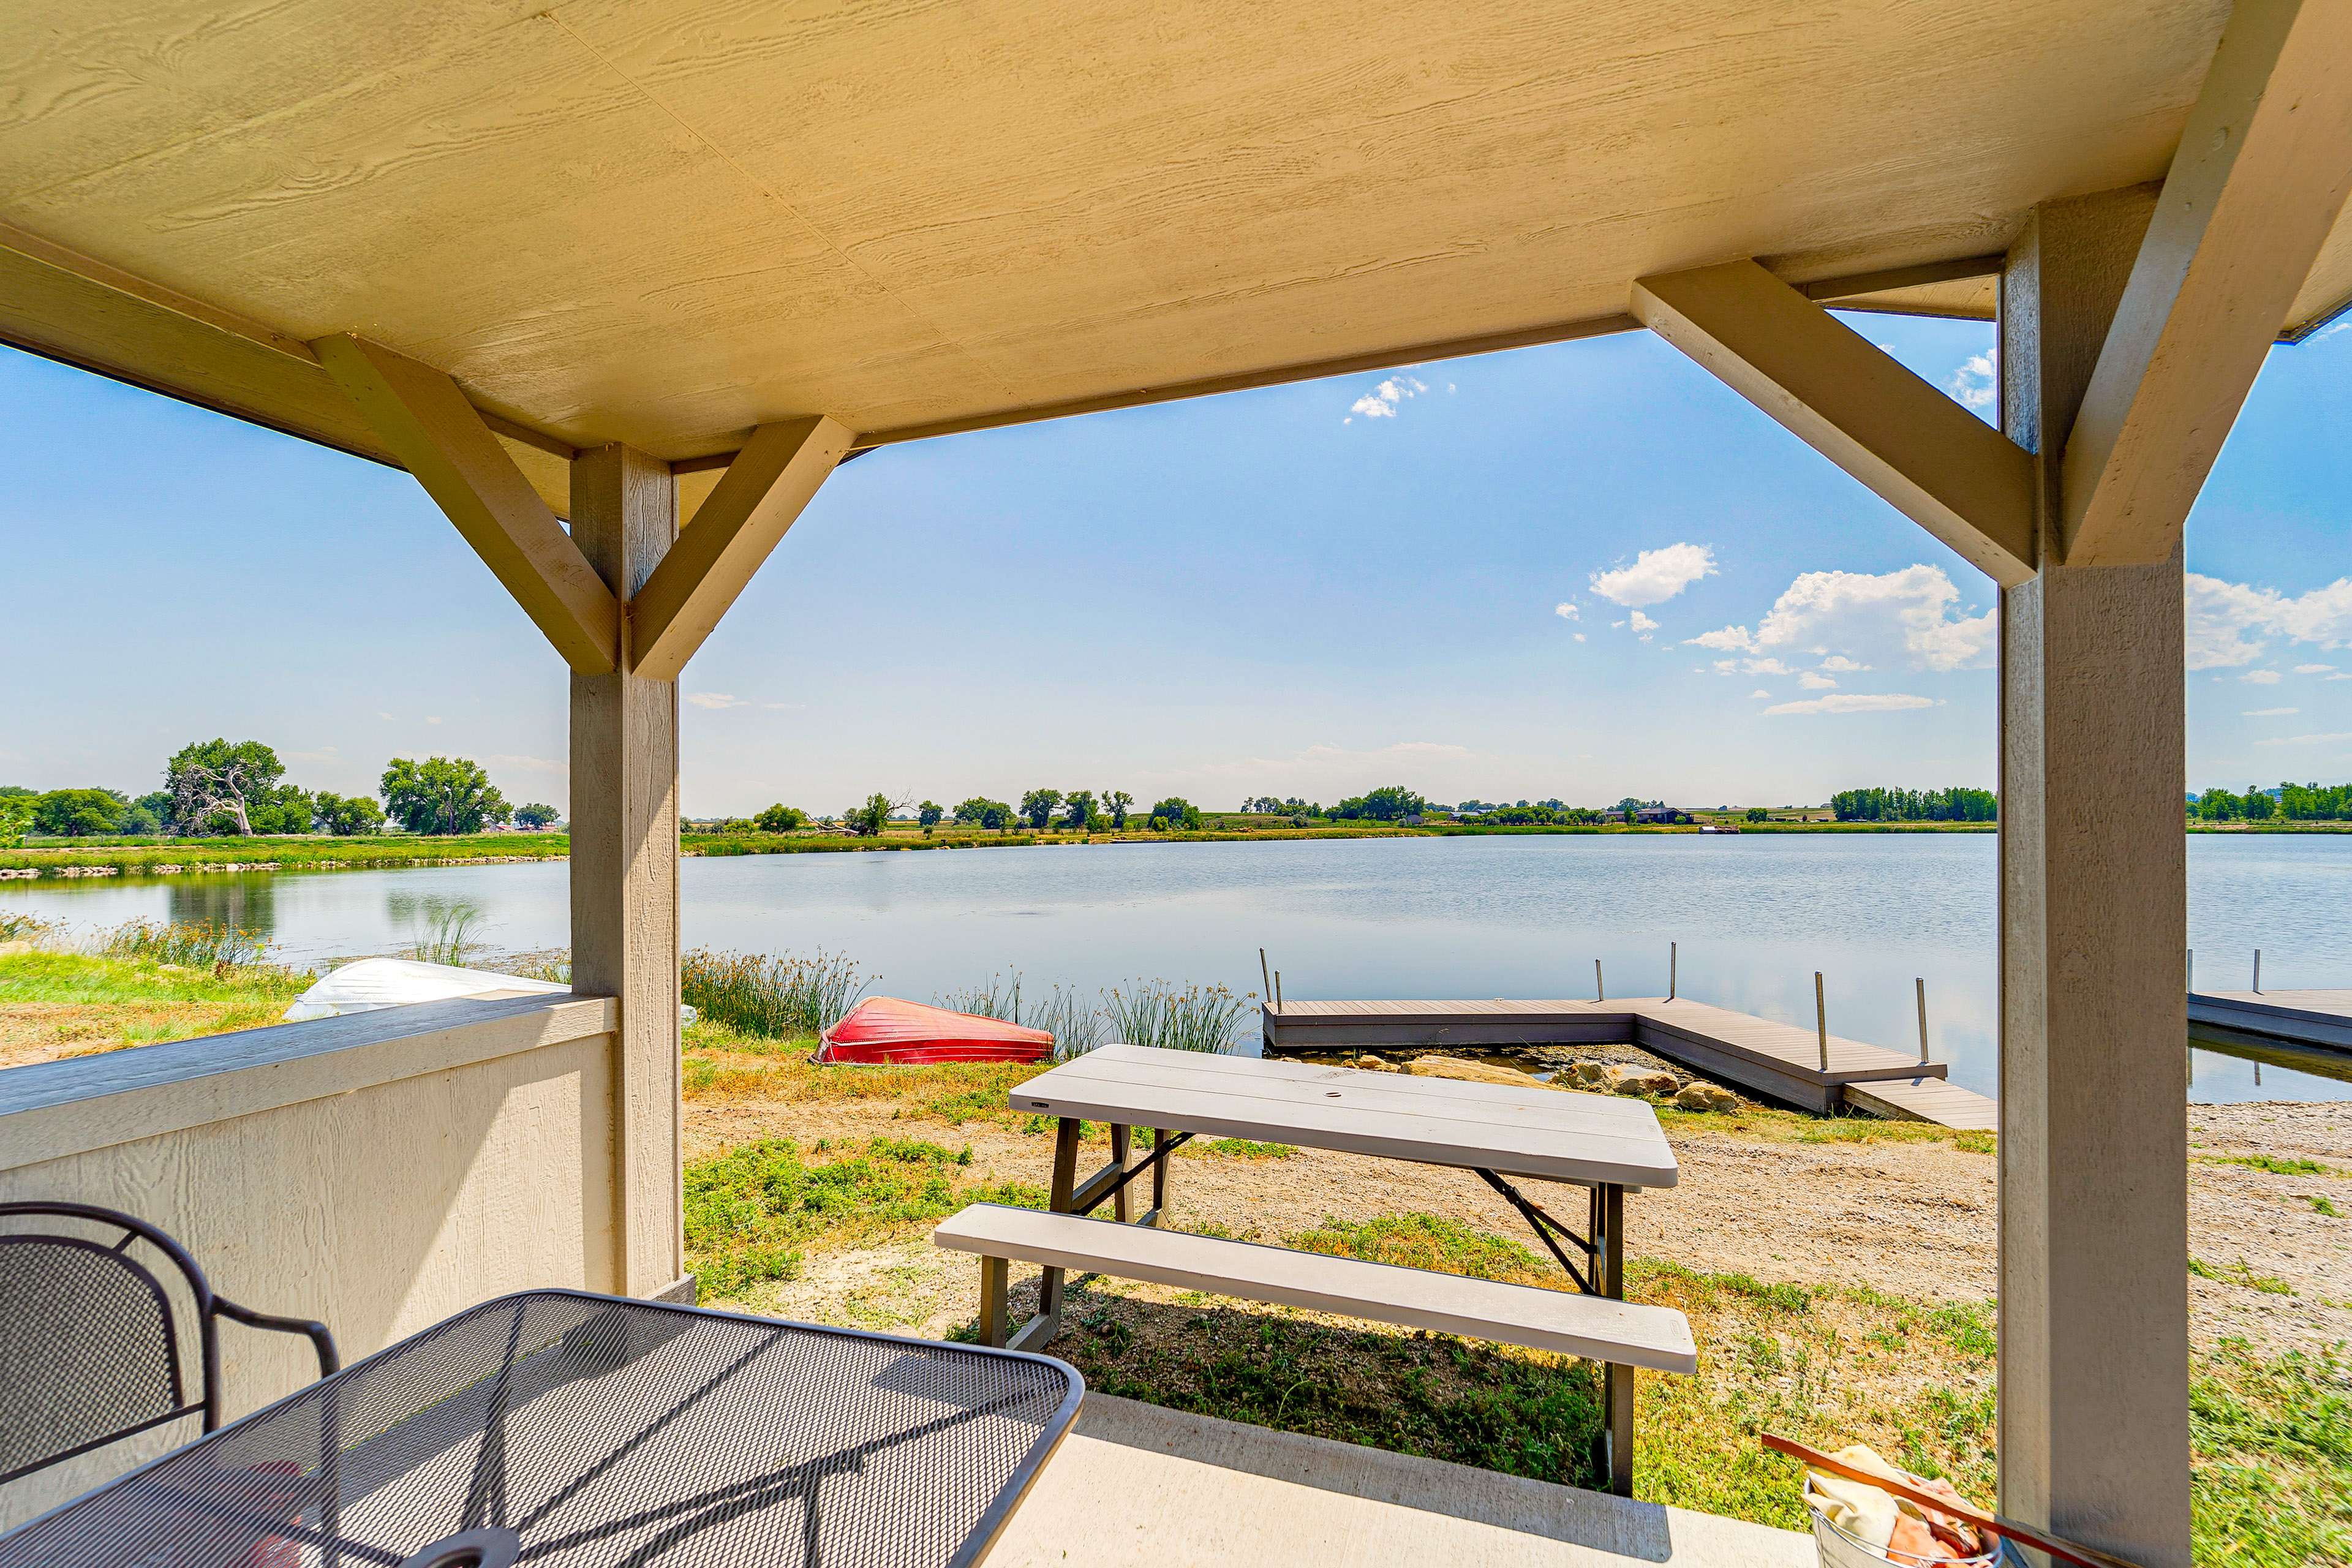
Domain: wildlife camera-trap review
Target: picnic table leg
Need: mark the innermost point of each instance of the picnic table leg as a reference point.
(1066, 1186)
(1159, 1179)
(1617, 1396)
(1122, 1139)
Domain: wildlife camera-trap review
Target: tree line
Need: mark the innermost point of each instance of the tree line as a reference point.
(2288, 803)
(1958, 804)
(220, 788)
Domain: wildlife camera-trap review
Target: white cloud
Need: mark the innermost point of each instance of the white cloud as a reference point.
(1759, 691)
(714, 700)
(1644, 625)
(1751, 667)
(519, 764)
(1381, 403)
(2269, 712)
(1813, 681)
(1843, 665)
(1906, 615)
(2261, 678)
(1974, 383)
(433, 718)
(1579, 636)
(385, 717)
(1567, 611)
(2313, 669)
(1657, 575)
(323, 754)
(2228, 621)
(2306, 740)
(1854, 703)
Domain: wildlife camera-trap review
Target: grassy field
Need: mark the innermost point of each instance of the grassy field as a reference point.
(766, 1214)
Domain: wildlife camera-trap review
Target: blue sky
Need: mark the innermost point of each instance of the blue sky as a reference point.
(1306, 590)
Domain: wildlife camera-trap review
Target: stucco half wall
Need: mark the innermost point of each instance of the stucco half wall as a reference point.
(377, 1172)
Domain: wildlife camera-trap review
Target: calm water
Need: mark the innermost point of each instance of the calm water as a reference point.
(1755, 916)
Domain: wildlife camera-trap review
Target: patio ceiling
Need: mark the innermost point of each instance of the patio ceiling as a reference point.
(663, 222)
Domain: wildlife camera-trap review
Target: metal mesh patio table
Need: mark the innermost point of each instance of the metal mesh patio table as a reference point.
(563, 1428)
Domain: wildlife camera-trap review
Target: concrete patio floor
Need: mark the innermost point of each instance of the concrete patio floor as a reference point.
(1136, 1484)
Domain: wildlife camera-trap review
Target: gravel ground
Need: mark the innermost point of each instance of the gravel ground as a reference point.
(1913, 1219)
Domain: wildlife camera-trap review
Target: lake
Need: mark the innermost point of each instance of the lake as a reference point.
(1755, 916)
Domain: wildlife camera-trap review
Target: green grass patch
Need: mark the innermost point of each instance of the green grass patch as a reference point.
(1427, 1241)
(1240, 1149)
(2319, 1205)
(2271, 1485)
(1777, 1126)
(2275, 1164)
(751, 1212)
(318, 852)
(2238, 1273)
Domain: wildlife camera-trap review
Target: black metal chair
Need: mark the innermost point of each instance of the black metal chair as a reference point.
(90, 1338)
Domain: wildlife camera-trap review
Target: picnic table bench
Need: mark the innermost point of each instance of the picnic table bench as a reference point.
(1607, 1144)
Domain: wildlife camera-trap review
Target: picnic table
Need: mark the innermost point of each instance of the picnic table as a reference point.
(1609, 1144)
(560, 1427)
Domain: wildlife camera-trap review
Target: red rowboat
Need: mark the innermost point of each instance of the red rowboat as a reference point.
(885, 1029)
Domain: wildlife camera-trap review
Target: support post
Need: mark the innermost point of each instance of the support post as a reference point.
(1607, 1233)
(1821, 1019)
(2258, 971)
(1674, 960)
(1920, 983)
(2094, 1393)
(1598, 994)
(625, 864)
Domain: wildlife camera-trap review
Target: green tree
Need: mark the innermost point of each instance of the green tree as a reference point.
(1757, 813)
(441, 795)
(982, 812)
(929, 814)
(1078, 810)
(536, 815)
(1118, 801)
(346, 815)
(15, 817)
(216, 787)
(868, 820)
(1038, 807)
(1176, 812)
(780, 818)
(1387, 804)
(79, 813)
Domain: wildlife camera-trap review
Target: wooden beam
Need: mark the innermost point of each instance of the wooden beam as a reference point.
(762, 491)
(439, 437)
(1935, 462)
(2261, 174)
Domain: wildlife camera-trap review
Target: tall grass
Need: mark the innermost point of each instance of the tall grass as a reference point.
(448, 933)
(195, 944)
(21, 925)
(1155, 1012)
(1076, 1025)
(781, 997)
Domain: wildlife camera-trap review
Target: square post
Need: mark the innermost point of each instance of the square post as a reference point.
(2093, 1122)
(625, 868)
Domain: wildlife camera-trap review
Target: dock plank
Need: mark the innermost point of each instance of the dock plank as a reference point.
(1781, 1060)
(1927, 1100)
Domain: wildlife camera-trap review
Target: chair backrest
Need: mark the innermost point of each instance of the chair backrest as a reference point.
(92, 1340)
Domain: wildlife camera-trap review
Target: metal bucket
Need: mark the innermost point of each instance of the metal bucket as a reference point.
(1839, 1550)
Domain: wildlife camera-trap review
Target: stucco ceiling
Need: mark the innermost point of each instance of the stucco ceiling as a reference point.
(665, 221)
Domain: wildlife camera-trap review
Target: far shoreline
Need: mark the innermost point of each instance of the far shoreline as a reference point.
(153, 858)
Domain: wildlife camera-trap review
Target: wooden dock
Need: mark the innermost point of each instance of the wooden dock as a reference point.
(1776, 1060)
(2308, 1030)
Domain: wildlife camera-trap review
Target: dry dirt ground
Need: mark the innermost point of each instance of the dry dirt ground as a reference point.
(1913, 1219)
